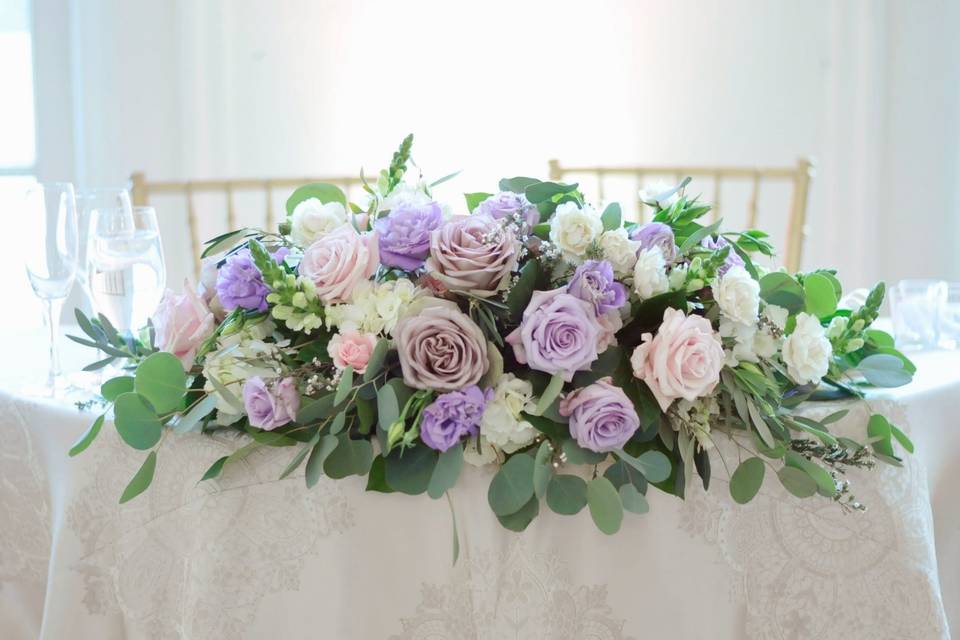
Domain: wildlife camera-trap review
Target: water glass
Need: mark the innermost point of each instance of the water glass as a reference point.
(90, 200)
(950, 318)
(126, 273)
(50, 233)
(916, 307)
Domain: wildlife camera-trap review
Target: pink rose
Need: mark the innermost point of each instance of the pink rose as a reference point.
(336, 262)
(182, 323)
(474, 254)
(352, 349)
(682, 361)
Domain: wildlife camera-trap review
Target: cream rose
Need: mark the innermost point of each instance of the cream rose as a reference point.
(312, 219)
(683, 360)
(338, 261)
(738, 295)
(574, 229)
(807, 351)
(619, 250)
(650, 273)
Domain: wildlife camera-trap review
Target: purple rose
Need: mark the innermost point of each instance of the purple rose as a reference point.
(511, 206)
(656, 234)
(715, 244)
(405, 234)
(593, 282)
(270, 408)
(602, 417)
(240, 283)
(452, 416)
(559, 333)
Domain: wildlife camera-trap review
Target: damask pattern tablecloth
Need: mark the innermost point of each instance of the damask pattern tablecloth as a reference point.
(248, 556)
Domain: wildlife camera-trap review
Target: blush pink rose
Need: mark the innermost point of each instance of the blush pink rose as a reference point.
(182, 322)
(336, 262)
(352, 349)
(683, 360)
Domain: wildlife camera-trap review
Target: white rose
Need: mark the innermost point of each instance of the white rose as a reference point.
(650, 273)
(807, 351)
(738, 295)
(620, 250)
(654, 194)
(574, 229)
(312, 219)
(502, 424)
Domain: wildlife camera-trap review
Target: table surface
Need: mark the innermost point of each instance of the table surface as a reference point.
(250, 556)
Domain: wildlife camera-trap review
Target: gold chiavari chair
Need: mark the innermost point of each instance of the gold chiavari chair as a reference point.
(799, 175)
(141, 190)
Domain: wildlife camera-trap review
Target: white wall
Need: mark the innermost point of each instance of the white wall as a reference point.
(244, 88)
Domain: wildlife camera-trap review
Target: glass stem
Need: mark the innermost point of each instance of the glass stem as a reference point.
(52, 317)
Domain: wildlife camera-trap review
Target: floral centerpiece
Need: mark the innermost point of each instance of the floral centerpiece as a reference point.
(584, 358)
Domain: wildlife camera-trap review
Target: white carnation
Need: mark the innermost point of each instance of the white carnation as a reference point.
(502, 424)
(312, 219)
(807, 351)
(655, 192)
(405, 193)
(620, 250)
(574, 229)
(650, 273)
(738, 295)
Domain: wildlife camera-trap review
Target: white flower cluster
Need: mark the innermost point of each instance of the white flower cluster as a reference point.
(650, 273)
(655, 194)
(502, 423)
(619, 250)
(312, 219)
(575, 230)
(374, 307)
(807, 351)
(238, 357)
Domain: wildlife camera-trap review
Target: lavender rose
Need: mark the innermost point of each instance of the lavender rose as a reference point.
(405, 234)
(270, 408)
(474, 254)
(514, 207)
(452, 416)
(440, 348)
(593, 282)
(602, 417)
(656, 234)
(240, 283)
(714, 244)
(559, 333)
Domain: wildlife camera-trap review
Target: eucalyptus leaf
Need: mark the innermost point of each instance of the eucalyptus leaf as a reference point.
(783, 290)
(115, 386)
(344, 386)
(826, 485)
(542, 468)
(215, 469)
(349, 458)
(228, 396)
(377, 358)
(612, 217)
(549, 394)
(884, 370)
(321, 452)
(575, 454)
(566, 494)
(410, 471)
(653, 464)
(161, 380)
(136, 421)
(446, 471)
(819, 295)
(747, 479)
(797, 482)
(605, 506)
(632, 500)
(198, 412)
(512, 486)
(89, 436)
(521, 519)
(474, 199)
(323, 192)
(141, 479)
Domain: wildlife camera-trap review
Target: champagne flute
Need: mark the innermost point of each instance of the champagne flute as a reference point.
(126, 272)
(51, 264)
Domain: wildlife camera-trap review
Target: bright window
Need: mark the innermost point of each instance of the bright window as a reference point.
(18, 148)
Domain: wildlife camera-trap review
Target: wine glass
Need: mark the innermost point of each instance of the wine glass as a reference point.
(51, 234)
(126, 273)
(88, 201)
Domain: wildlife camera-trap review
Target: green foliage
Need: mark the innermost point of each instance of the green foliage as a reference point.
(747, 479)
(797, 482)
(320, 453)
(398, 164)
(885, 370)
(566, 494)
(136, 421)
(521, 519)
(446, 472)
(410, 470)
(521, 292)
(161, 380)
(783, 290)
(633, 501)
(349, 458)
(820, 295)
(141, 479)
(115, 386)
(653, 464)
(542, 469)
(605, 506)
(322, 191)
(512, 486)
(474, 199)
(612, 217)
(88, 437)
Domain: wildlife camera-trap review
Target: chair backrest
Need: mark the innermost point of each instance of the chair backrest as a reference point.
(799, 175)
(142, 190)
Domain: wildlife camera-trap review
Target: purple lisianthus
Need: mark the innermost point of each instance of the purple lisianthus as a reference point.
(510, 206)
(656, 234)
(270, 408)
(240, 283)
(593, 282)
(405, 234)
(559, 333)
(602, 417)
(452, 416)
(715, 244)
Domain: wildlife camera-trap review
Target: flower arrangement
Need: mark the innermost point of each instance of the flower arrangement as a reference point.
(582, 357)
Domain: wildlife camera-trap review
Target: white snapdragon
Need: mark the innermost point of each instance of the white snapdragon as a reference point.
(502, 423)
(650, 273)
(574, 230)
(312, 219)
(655, 192)
(807, 351)
(619, 250)
(738, 295)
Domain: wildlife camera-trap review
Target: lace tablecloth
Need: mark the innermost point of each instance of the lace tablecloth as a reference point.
(248, 556)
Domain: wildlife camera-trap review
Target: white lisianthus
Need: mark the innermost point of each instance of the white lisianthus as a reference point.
(806, 351)
(479, 456)
(654, 194)
(502, 423)
(738, 295)
(312, 219)
(574, 229)
(619, 250)
(650, 273)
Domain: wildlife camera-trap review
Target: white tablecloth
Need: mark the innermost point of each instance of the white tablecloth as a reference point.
(248, 556)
